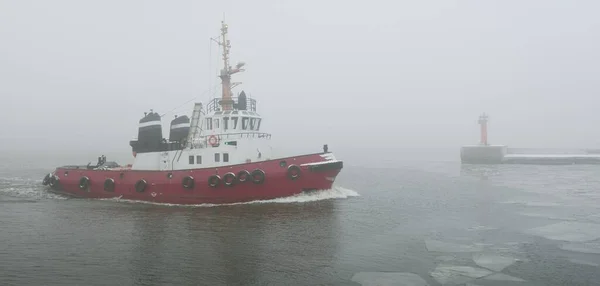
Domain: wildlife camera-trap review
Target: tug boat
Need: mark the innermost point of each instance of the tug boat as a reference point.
(219, 155)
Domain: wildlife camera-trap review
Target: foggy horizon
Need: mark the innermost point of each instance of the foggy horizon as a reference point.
(78, 76)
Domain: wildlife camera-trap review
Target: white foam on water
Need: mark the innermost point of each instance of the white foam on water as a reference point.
(503, 277)
(568, 231)
(334, 193)
(30, 192)
(449, 274)
(388, 279)
(587, 247)
(441, 246)
(493, 261)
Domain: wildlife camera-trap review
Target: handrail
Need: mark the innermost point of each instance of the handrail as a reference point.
(202, 141)
(213, 104)
(240, 134)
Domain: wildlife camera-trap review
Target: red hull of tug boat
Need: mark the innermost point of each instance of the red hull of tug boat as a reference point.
(162, 189)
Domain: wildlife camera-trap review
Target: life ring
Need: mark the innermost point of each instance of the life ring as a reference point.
(140, 185)
(243, 176)
(109, 185)
(214, 180)
(188, 182)
(293, 172)
(84, 183)
(258, 176)
(213, 140)
(46, 180)
(229, 179)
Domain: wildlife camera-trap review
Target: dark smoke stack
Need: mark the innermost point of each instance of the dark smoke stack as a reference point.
(180, 128)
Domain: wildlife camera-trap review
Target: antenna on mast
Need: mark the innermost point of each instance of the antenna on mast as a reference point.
(227, 101)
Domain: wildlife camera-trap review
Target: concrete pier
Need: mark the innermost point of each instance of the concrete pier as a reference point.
(483, 154)
(501, 154)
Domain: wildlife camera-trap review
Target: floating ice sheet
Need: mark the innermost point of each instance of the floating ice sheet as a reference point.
(481, 228)
(547, 215)
(492, 261)
(441, 246)
(568, 231)
(388, 278)
(446, 258)
(533, 203)
(503, 277)
(453, 275)
(586, 247)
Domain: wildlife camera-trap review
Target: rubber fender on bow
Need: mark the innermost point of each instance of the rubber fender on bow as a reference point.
(188, 182)
(214, 181)
(46, 180)
(243, 176)
(54, 180)
(293, 172)
(258, 176)
(109, 185)
(140, 185)
(229, 179)
(84, 183)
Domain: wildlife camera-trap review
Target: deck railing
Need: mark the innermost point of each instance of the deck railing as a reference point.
(202, 141)
(227, 136)
(213, 104)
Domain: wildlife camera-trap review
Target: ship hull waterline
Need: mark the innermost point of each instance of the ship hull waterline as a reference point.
(315, 174)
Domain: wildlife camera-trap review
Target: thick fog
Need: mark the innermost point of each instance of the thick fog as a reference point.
(358, 75)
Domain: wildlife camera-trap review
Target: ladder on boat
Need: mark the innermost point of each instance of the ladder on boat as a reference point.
(195, 125)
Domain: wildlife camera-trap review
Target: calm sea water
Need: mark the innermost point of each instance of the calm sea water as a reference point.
(419, 223)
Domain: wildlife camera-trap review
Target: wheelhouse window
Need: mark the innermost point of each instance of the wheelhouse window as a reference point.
(216, 123)
(191, 160)
(198, 159)
(225, 123)
(208, 123)
(225, 157)
(252, 123)
(258, 120)
(245, 123)
(217, 157)
(234, 122)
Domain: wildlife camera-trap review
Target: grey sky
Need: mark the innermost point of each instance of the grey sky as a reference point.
(80, 74)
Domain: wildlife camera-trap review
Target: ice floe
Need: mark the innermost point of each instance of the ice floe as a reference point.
(453, 275)
(586, 247)
(493, 262)
(441, 246)
(503, 277)
(446, 258)
(481, 228)
(568, 231)
(388, 278)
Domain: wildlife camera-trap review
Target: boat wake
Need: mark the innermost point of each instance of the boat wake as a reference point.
(25, 188)
(333, 193)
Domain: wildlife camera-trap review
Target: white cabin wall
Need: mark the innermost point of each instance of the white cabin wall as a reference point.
(147, 161)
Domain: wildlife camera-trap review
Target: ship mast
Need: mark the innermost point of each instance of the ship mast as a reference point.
(227, 101)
